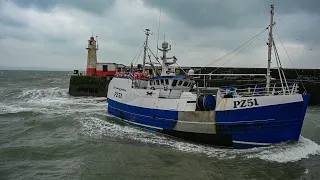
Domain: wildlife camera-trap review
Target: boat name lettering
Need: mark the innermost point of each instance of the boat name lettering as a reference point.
(245, 103)
(120, 89)
(117, 94)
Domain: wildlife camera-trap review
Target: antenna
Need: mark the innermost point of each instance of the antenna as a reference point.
(158, 35)
(97, 43)
(174, 44)
(152, 27)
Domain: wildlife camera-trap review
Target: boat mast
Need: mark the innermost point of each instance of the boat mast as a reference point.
(165, 48)
(147, 32)
(270, 48)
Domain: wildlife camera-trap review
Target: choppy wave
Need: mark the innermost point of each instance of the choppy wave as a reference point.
(13, 109)
(52, 101)
(47, 93)
(282, 153)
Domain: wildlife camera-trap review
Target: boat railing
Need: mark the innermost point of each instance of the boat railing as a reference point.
(249, 90)
(205, 77)
(210, 75)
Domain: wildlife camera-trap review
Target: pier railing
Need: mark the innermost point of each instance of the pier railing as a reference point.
(249, 90)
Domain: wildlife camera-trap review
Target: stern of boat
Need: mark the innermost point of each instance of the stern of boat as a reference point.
(260, 118)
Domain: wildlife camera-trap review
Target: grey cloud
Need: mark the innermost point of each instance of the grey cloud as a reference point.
(7, 21)
(253, 14)
(212, 27)
(228, 14)
(199, 14)
(94, 7)
(299, 28)
(294, 6)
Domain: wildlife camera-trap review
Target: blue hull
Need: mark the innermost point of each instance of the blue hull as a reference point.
(245, 128)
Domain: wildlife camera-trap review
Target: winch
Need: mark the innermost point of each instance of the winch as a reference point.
(206, 102)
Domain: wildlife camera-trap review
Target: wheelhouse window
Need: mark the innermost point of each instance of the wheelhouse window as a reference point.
(174, 82)
(151, 83)
(185, 83)
(162, 82)
(158, 83)
(167, 81)
(180, 82)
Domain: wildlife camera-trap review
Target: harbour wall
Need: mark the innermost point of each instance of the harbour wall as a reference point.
(97, 86)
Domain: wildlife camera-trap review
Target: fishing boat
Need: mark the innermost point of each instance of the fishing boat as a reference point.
(238, 116)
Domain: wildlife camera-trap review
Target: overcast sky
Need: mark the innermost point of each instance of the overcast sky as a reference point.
(53, 33)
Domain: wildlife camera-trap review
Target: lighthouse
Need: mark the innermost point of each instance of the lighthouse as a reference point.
(92, 56)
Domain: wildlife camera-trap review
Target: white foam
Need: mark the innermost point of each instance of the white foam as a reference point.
(97, 128)
(6, 109)
(33, 94)
(53, 101)
(281, 153)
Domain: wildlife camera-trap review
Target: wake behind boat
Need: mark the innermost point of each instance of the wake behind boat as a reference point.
(239, 116)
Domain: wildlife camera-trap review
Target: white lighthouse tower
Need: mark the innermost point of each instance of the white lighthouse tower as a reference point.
(92, 57)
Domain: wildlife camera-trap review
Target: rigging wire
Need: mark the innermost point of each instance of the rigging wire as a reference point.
(304, 88)
(265, 29)
(181, 68)
(138, 56)
(137, 53)
(278, 59)
(155, 68)
(280, 70)
(255, 38)
(153, 55)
